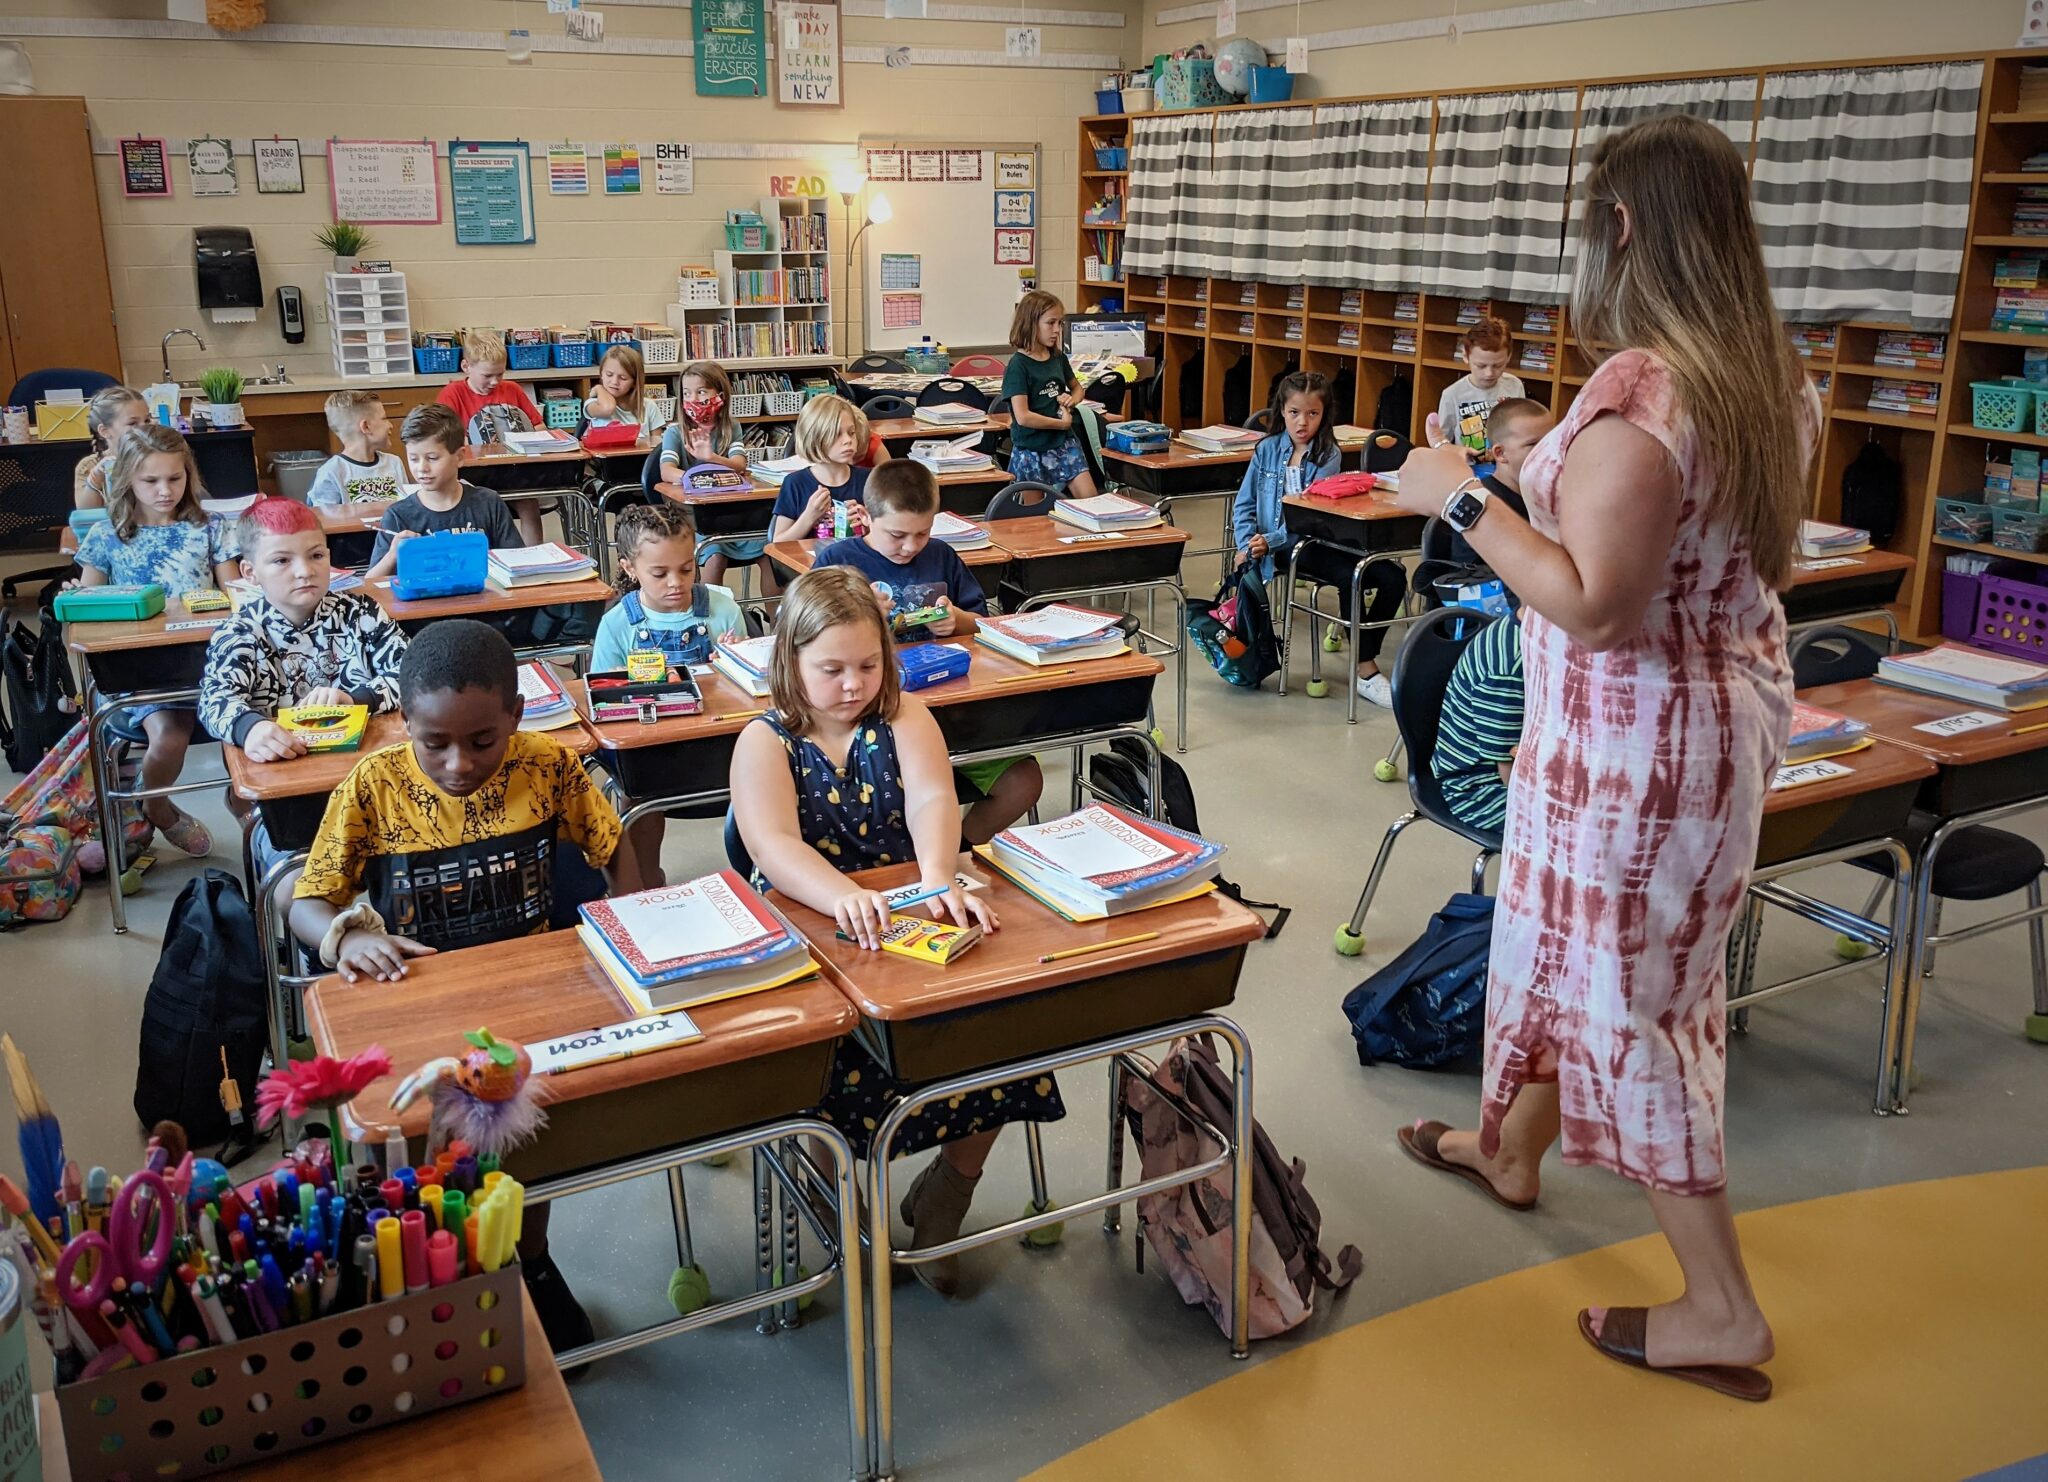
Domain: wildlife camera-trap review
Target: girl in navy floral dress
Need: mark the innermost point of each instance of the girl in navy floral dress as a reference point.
(849, 773)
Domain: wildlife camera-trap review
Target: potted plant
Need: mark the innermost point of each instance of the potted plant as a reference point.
(223, 388)
(345, 242)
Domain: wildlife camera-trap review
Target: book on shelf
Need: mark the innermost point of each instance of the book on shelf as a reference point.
(960, 534)
(1220, 438)
(1813, 339)
(537, 565)
(1106, 512)
(326, 727)
(1904, 350)
(951, 414)
(744, 661)
(1817, 539)
(678, 946)
(1817, 733)
(1055, 634)
(1351, 301)
(1407, 306)
(548, 706)
(1957, 672)
(1472, 310)
(1103, 861)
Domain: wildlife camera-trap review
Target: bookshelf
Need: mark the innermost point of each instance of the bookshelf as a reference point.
(1097, 183)
(773, 301)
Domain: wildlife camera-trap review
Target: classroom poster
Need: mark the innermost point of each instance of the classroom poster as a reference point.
(210, 165)
(732, 48)
(963, 164)
(568, 170)
(384, 182)
(885, 164)
(490, 190)
(901, 270)
(675, 171)
(808, 64)
(1021, 41)
(902, 310)
(279, 170)
(1016, 171)
(584, 25)
(924, 164)
(622, 169)
(145, 169)
(1016, 208)
(1015, 246)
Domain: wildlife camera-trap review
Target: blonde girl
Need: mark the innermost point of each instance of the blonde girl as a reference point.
(831, 433)
(109, 414)
(1040, 390)
(621, 382)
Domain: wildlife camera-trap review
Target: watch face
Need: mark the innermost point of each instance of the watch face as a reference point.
(1464, 511)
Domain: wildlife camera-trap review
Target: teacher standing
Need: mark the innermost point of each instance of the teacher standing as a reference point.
(1662, 516)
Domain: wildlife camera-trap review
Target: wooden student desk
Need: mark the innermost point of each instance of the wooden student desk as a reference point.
(1368, 527)
(490, 602)
(531, 1434)
(1179, 471)
(907, 430)
(726, 514)
(1829, 588)
(353, 518)
(793, 558)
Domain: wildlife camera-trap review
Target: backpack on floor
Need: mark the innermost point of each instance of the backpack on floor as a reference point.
(1427, 1007)
(1189, 1228)
(204, 1018)
(1119, 775)
(38, 873)
(59, 791)
(35, 675)
(1235, 631)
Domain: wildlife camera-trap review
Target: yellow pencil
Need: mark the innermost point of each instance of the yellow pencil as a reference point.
(744, 714)
(1143, 936)
(1037, 674)
(2039, 725)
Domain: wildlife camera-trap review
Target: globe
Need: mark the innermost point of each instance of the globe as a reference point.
(1234, 62)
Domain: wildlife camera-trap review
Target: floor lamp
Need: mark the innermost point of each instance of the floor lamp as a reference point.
(849, 182)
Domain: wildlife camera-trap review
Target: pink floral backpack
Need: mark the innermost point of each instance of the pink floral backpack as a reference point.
(1189, 1228)
(44, 821)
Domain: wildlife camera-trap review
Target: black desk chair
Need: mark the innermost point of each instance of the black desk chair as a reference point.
(1019, 499)
(34, 387)
(1385, 452)
(876, 364)
(1260, 421)
(1108, 391)
(1422, 672)
(888, 404)
(951, 389)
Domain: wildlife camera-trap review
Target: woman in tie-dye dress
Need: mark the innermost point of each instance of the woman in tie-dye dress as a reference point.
(1662, 514)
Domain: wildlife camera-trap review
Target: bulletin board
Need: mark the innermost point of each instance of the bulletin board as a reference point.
(944, 197)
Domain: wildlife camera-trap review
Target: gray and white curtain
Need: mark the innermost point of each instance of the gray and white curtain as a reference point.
(1368, 188)
(1260, 187)
(1497, 189)
(1728, 103)
(1171, 165)
(1862, 190)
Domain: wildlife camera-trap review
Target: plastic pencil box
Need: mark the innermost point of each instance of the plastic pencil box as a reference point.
(111, 604)
(613, 696)
(925, 664)
(1138, 437)
(451, 563)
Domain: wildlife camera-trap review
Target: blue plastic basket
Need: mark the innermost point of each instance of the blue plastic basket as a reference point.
(436, 360)
(1112, 157)
(1109, 100)
(526, 357)
(576, 354)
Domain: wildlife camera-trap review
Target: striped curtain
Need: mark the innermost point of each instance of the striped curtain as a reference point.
(1368, 192)
(1728, 103)
(1497, 191)
(1170, 169)
(1862, 190)
(1254, 216)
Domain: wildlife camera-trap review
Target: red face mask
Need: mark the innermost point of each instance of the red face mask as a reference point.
(704, 412)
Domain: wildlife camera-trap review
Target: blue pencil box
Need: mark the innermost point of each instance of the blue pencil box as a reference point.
(926, 664)
(448, 564)
(1137, 437)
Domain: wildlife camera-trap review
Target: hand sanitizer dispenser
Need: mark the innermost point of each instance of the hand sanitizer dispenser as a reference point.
(230, 287)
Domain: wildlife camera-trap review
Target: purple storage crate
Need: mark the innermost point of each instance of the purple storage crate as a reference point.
(2012, 613)
(1959, 605)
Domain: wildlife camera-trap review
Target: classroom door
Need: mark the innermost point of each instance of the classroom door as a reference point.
(53, 253)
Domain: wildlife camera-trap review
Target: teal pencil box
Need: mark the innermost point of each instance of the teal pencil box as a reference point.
(111, 604)
(449, 564)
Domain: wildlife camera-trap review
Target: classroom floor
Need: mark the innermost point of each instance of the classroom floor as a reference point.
(1454, 1354)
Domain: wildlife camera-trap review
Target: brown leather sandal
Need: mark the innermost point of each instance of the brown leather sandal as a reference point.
(1420, 1143)
(1621, 1338)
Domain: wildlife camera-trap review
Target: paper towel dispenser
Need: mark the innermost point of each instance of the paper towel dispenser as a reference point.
(225, 259)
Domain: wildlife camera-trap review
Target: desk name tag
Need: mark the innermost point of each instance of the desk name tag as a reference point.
(1805, 772)
(613, 1042)
(1955, 725)
(1088, 539)
(1829, 564)
(188, 624)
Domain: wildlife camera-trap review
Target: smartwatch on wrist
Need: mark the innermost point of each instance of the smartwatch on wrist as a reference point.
(1465, 505)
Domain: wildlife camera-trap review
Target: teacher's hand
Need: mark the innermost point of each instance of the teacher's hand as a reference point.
(1428, 476)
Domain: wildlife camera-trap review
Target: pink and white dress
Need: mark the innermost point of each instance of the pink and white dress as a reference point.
(1633, 814)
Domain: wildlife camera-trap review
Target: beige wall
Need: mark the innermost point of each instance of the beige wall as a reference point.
(595, 256)
(1757, 33)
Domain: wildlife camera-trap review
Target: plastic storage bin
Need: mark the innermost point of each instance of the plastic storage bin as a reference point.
(2019, 530)
(436, 360)
(2011, 614)
(1137, 100)
(2001, 406)
(1962, 519)
(294, 471)
(574, 354)
(1112, 157)
(661, 350)
(526, 357)
(562, 412)
(746, 236)
(1272, 85)
(746, 404)
(1109, 100)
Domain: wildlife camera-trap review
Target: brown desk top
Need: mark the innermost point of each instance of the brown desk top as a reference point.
(1877, 765)
(759, 493)
(1865, 562)
(1035, 537)
(1179, 455)
(997, 476)
(798, 555)
(727, 709)
(1892, 713)
(490, 599)
(532, 988)
(1357, 507)
(352, 519)
(900, 427)
(96, 638)
(323, 771)
(501, 454)
(1006, 965)
(530, 1434)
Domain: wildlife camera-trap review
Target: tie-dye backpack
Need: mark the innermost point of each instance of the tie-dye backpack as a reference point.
(44, 821)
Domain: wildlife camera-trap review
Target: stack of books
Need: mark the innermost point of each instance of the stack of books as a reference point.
(1813, 339)
(1347, 337)
(1959, 673)
(1106, 512)
(548, 705)
(1472, 310)
(2030, 212)
(2033, 96)
(1817, 539)
(961, 535)
(1537, 355)
(540, 440)
(1218, 438)
(773, 470)
(2021, 302)
(1539, 319)
(537, 565)
(1909, 351)
(951, 414)
(1103, 862)
(1818, 733)
(1406, 306)
(1905, 398)
(744, 661)
(1058, 634)
(682, 945)
(1404, 342)
(955, 455)
(1351, 301)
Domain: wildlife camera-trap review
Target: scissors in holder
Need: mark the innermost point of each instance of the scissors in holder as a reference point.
(136, 1251)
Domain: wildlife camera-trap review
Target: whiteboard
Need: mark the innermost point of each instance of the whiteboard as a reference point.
(967, 298)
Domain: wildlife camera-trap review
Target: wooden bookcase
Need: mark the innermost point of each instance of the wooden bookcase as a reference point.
(1100, 131)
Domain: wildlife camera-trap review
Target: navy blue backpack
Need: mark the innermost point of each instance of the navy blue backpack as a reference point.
(1427, 1007)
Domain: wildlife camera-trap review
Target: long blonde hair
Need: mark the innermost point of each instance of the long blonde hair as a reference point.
(1689, 286)
(136, 444)
(823, 598)
(627, 356)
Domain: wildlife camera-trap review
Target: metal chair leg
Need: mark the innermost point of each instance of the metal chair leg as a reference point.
(1113, 1216)
(1479, 864)
(2037, 946)
(1932, 930)
(679, 1207)
(1379, 868)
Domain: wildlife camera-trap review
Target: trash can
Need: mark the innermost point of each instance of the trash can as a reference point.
(294, 471)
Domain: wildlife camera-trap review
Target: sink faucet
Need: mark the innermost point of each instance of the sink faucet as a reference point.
(167, 346)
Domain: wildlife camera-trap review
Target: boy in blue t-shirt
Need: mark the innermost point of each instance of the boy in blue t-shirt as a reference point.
(910, 571)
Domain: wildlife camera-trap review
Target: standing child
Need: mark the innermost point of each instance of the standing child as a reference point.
(848, 773)
(1040, 390)
(1460, 415)
(621, 378)
(706, 433)
(666, 609)
(109, 414)
(155, 531)
(487, 406)
(433, 451)
(1300, 450)
(908, 570)
(365, 470)
(830, 432)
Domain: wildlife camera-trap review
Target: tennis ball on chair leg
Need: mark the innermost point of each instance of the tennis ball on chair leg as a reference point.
(1317, 688)
(1349, 943)
(688, 1290)
(803, 1303)
(1046, 1236)
(1333, 638)
(2037, 1028)
(1385, 771)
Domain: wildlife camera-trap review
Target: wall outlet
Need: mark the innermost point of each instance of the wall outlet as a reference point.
(319, 311)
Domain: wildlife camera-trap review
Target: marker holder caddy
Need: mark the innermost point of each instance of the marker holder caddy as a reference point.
(215, 1409)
